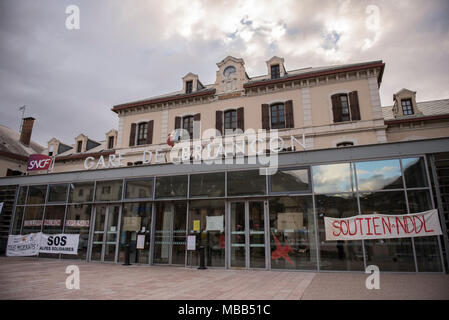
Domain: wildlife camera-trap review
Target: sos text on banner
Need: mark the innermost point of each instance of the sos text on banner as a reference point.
(34, 243)
(379, 226)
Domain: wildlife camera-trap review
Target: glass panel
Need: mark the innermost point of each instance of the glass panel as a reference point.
(18, 220)
(108, 190)
(36, 194)
(290, 180)
(139, 189)
(78, 222)
(136, 220)
(379, 175)
(111, 233)
(333, 178)
(207, 185)
(57, 193)
(414, 172)
(212, 238)
(162, 233)
(338, 255)
(81, 192)
(292, 235)
(238, 234)
(54, 219)
(179, 233)
(427, 248)
(169, 187)
(32, 219)
(387, 254)
(98, 238)
(22, 195)
(242, 183)
(256, 235)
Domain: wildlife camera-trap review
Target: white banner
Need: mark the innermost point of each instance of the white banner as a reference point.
(379, 226)
(23, 245)
(59, 243)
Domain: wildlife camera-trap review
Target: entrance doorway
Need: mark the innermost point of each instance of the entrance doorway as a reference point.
(247, 234)
(170, 233)
(104, 234)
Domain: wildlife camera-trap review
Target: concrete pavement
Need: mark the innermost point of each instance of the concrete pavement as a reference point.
(31, 278)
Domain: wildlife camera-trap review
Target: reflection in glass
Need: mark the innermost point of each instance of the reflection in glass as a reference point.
(170, 187)
(179, 233)
(22, 195)
(414, 172)
(333, 178)
(18, 217)
(32, 221)
(108, 190)
(136, 220)
(36, 194)
(78, 222)
(212, 236)
(207, 185)
(242, 183)
(238, 236)
(98, 237)
(427, 248)
(57, 193)
(387, 254)
(81, 192)
(53, 224)
(162, 233)
(292, 235)
(338, 255)
(139, 189)
(379, 175)
(290, 180)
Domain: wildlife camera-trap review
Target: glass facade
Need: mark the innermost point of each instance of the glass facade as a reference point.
(239, 220)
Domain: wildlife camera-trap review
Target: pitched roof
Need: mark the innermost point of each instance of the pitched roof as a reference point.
(428, 108)
(10, 143)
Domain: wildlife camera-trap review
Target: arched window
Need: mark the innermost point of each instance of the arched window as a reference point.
(230, 120)
(277, 116)
(345, 144)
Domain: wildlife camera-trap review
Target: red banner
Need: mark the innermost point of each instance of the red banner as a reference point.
(38, 162)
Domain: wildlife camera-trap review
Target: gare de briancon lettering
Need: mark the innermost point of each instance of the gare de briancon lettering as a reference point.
(296, 169)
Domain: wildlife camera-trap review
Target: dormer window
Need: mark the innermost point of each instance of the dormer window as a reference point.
(189, 86)
(407, 108)
(111, 143)
(275, 71)
(79, 146)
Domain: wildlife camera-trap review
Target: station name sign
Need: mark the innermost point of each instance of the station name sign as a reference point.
(264, 149)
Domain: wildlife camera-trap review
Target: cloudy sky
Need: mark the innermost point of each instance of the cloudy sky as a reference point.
(131, 50)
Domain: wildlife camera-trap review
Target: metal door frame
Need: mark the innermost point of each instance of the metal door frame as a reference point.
(92, 232)
(247, 233)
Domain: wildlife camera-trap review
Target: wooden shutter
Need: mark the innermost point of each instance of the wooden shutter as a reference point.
(289, 122)
(336, 107)
(354, 105)
(132, 135)
(177, 122)
(266, 117)
(197, 117)
(150, 132)
(240, 119)
(219, 121)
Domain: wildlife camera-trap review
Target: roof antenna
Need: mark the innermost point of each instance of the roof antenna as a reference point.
(22, 109)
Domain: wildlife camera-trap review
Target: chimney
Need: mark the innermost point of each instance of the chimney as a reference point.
(27, 129)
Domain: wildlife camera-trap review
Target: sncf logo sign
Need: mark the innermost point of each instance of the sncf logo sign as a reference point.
(38, 162)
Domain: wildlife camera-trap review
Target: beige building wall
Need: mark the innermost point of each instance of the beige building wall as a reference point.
(417, 132)
(6, 163)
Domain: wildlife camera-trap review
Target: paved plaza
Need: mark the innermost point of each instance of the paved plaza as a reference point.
(31, 278)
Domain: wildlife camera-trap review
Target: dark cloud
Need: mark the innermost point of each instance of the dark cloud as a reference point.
(130, 50)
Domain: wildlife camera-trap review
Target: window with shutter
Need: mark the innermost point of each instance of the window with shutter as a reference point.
(345, 106)
(219, 121)
(187, 124)
(354, 104)
(230, 120)
(289, 122)
(277, 113)
(240, 119)
(142, 133)
(150, 132)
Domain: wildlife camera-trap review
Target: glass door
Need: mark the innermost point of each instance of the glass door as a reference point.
(247, 234)
(170, 233)
(104, 238)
